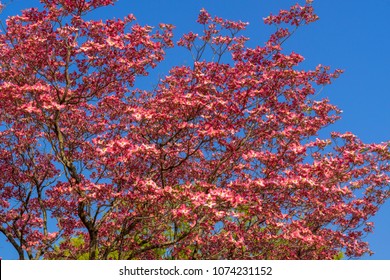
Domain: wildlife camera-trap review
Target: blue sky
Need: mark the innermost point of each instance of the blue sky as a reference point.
(350, 35)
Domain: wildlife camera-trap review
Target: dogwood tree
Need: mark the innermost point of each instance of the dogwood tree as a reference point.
(221, 160)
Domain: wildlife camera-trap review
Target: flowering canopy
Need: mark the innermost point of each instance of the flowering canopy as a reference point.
(221, 160)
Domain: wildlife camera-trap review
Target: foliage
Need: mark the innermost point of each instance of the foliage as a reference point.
(220, 161)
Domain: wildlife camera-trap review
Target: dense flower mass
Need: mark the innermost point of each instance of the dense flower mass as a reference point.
(221, 160)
